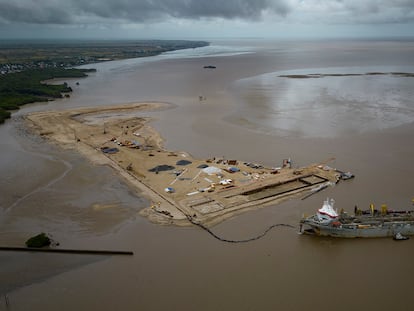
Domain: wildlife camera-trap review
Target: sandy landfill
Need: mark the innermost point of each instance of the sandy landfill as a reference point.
(182, 189)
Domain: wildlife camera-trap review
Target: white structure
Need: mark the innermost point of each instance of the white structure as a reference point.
(327, 213)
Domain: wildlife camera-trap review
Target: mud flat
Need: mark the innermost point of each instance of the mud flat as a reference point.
(179, 186)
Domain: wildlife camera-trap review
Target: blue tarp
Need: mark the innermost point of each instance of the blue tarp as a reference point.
(183, 162)
(161, 168)
(109, 150)
(233, 169)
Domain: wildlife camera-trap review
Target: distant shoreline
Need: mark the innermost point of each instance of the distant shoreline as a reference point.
(23, 55)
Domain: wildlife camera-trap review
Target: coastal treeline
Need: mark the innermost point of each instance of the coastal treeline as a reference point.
(25, 64)
(20, 88)
(19, 55)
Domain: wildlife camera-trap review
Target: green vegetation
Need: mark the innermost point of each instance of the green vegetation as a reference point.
(20, 88)
(25, 64)
(32, 54)
(38, 241)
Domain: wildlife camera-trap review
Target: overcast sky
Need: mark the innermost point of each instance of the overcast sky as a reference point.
(193, 19)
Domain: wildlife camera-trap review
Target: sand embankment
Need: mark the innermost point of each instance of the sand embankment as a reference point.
(175, 182)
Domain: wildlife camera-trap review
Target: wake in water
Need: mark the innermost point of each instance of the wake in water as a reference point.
(68, 168)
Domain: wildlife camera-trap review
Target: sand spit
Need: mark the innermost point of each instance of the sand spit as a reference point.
(178, 185)
(324, 75)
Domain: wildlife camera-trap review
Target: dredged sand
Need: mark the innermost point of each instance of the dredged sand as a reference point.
(184, 191)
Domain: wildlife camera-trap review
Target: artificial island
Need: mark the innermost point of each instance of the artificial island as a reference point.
(179, 186)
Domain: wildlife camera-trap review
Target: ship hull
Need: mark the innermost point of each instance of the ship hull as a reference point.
(359, 231)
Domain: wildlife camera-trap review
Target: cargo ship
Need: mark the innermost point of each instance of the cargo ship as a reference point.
(363, 224)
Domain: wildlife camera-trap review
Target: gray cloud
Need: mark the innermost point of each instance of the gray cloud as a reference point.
(138, 11)
(66, 12)
(34, 13)
(382, 11)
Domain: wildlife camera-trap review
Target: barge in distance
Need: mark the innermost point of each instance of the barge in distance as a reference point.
(363, 224)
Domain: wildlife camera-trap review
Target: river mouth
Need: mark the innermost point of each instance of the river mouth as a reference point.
(185, 268)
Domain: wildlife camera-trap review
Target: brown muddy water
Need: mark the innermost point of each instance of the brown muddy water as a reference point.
(252, 114)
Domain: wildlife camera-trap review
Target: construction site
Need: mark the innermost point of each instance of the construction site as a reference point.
(179, 187)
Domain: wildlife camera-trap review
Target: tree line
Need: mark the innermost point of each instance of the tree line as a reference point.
(20, 88)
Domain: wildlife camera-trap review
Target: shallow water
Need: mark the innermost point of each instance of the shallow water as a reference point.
(328, 106)
(249, 114)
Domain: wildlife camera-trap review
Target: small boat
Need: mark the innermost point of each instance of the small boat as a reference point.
(364, 224)
(347, 175)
